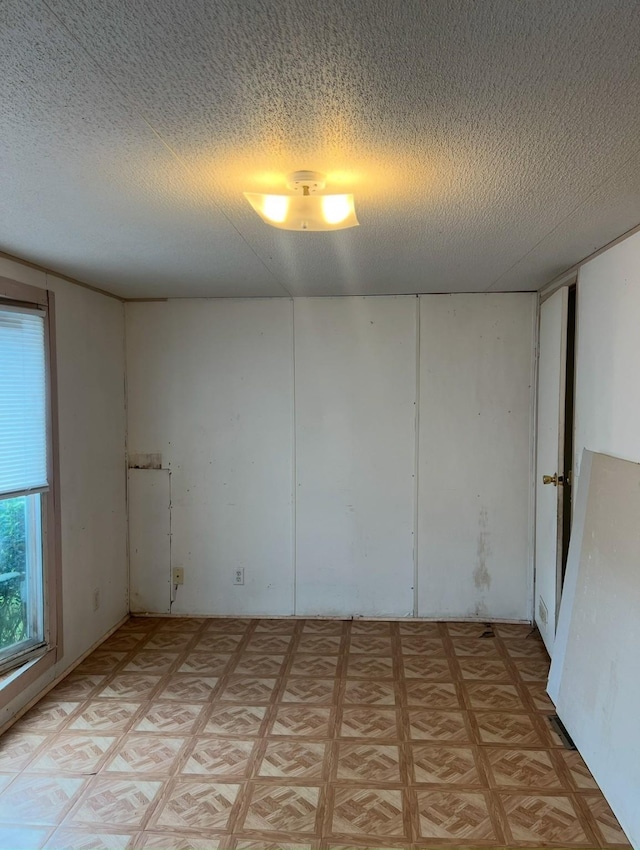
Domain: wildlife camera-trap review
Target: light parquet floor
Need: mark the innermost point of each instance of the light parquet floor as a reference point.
(185, 734)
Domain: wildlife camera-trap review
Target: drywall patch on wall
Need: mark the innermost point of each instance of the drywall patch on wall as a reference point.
(355, 379)
(150, 541)
(476, 393)
(210, 388)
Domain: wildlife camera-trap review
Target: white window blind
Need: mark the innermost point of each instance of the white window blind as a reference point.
(23, 419)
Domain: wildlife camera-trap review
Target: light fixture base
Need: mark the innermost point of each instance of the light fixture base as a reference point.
(314, 180)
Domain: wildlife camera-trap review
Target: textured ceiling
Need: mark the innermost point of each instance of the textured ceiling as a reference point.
(490, 144)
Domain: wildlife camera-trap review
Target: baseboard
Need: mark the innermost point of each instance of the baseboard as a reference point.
(61, 676)
(244, 616)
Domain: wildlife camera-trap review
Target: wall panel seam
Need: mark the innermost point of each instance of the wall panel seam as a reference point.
(294, 471)
(126, 454)
(416, 472)
(533, 452)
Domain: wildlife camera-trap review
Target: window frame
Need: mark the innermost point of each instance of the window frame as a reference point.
(32, 646)
(36, 661)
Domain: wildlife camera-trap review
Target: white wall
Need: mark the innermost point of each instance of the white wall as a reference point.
(91, 414)
(476, 379)
(211, 387)
(607, 401)
(355, 390)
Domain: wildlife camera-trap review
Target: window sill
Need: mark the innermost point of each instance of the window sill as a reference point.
(14, 682)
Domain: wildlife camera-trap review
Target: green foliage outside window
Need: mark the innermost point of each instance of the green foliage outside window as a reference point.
(13, 610)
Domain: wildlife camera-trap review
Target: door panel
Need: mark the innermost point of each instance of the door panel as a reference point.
(550, 461)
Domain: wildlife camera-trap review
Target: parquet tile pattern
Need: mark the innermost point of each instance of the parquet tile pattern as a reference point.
(239, 734)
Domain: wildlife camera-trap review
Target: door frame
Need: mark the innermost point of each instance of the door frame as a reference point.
(564, 504)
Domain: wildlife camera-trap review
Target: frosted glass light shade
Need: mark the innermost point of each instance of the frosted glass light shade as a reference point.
(305, 212)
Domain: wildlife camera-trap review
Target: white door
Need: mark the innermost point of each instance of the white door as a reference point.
(550, 462)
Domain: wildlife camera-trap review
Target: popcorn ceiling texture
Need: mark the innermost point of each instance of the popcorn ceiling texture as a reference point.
(490, 145)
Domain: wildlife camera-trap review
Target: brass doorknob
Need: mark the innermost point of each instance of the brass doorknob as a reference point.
(553, 479)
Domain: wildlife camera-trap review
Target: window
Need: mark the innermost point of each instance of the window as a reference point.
(28, 505)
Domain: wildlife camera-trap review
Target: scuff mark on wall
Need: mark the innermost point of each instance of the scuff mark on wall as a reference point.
(481, 574)
(478, 612)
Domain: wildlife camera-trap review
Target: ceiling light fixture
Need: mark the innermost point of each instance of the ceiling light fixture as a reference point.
(305, 210)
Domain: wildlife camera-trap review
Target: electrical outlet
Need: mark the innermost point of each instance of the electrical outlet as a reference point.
(178, 575)
(96, 599)
(238, 576)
